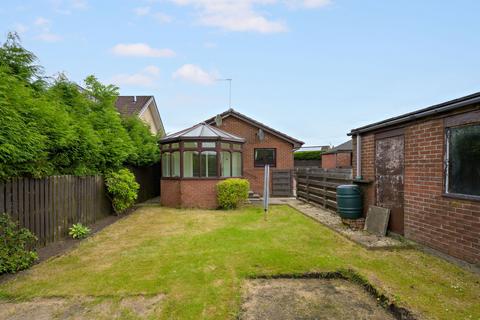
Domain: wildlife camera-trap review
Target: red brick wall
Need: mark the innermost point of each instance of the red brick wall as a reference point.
(449, 225)
(368, 170)
(245, 130)
(189, 193)
(329, 161)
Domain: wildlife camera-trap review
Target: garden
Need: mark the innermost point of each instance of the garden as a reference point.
(193, 264)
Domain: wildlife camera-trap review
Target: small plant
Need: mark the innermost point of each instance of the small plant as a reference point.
(232, 192)
(123, 189)
(15, 246)
(78, 231)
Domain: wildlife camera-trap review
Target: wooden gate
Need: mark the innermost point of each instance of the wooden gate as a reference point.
(389, 170)
(282, 183)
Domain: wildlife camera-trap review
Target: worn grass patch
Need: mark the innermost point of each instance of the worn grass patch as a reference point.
(199, 260)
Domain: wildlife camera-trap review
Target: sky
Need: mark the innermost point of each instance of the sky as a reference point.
(313, 69)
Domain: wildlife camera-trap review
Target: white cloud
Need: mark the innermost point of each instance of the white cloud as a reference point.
(44, 33)
(20, 28)
(144, 78)
(141, 50)
(68, 6)
(234, 15)
(308, 4)
(195, 74)
(142, 11)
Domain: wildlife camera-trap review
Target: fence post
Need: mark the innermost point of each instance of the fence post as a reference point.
(308, 184)
(324, 191)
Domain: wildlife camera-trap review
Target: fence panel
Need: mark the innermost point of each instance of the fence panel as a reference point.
(49, 206)
(318, 186)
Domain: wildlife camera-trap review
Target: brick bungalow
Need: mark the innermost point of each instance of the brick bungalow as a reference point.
(143, 107)
(425, 167)
(228, 145)
(338, 157)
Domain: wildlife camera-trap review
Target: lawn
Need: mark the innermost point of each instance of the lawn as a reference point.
(199, 259)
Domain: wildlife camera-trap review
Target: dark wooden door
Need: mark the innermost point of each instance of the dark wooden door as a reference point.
(389, 171)
(282, 183)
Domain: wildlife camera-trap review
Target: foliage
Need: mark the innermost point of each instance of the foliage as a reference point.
(308, 155)
(232, 192)
(78, 231)
(56, 127)
(123, 189)
(15, 246)
(146, 150)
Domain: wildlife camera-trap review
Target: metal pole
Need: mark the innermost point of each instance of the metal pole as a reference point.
(266, 189)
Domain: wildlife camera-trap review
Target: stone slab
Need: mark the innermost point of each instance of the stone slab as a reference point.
(377, 220)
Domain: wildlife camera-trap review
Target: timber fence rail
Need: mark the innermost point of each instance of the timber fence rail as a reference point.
(319, 186)
(49, 206)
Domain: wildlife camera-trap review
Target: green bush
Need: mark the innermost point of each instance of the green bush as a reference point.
(308, 155)
(78, 231)
(232, 192)
(122, 188)
(15, 246)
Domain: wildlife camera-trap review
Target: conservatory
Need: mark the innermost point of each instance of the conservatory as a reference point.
(193, 161)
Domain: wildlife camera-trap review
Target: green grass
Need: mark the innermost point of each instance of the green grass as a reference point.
(200, 258)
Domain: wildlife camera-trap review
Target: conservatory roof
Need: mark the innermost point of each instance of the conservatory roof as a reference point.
(202, 131)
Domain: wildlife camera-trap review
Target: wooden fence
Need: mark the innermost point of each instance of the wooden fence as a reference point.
(318, 186)
(149, 180)
(49, 206)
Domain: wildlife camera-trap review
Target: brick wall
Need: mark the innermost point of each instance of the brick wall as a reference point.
(344, 160)
(449, 225)
(245, 130)
(189, 193)
(328, 161)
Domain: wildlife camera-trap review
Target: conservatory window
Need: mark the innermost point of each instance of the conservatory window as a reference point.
(191, 164)
(226, 164)
(208, 144)
(166, 164)
(190, 144)
(176, 164)
(236, 164)
(208, 164)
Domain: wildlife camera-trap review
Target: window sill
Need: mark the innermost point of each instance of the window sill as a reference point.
(461, 196)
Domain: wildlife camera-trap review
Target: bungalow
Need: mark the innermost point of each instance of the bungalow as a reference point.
(425, 167)
(145, 108)
(228, 145)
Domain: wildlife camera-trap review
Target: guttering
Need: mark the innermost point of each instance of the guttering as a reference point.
(433, 110)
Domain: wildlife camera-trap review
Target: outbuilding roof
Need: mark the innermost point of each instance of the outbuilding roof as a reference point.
(346, 146)
(202, 131)
(231, 112)
(422, 113)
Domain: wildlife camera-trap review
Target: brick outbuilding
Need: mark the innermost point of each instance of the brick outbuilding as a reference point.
(339, 157)
(425, 167)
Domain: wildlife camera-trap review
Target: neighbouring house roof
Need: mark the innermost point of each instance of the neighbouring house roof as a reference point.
(344, 147)
(422, 113)
(202, 131)
(137, 105)
(233, 113)
(313, 148)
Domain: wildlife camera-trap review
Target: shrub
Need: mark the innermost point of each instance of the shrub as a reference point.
(78, 231)
(308, 155)
(15, 246)
(122, 188)
(232, 192)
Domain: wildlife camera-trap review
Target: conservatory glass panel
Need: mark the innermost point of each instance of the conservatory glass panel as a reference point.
(176, 164)
(209, 164)
(175, 145)
(236, 164)
(166, 164)
(226, 170)
(208, 144)
(191, 164)
(189, 144)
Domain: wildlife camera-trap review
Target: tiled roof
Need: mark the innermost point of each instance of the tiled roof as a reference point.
(202, 131)
(231, 112)
(130, 105)
(346, 146)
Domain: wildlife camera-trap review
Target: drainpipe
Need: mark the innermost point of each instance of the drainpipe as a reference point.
(359, 157)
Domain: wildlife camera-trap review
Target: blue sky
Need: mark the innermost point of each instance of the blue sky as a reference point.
(312, 68)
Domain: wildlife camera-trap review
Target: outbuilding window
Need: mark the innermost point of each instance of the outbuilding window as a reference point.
(463, 160)
(264, 156)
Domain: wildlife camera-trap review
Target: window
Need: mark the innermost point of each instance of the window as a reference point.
(265, 156)
(208, 164)
(236, 164)
(237, 146)
(190, 145)
(208, 144)
(191, 164)
(165, 147)
(166, 164)
(225, 145)
(463, 160)
(175, 164)
(226, 164)
(175, 145)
